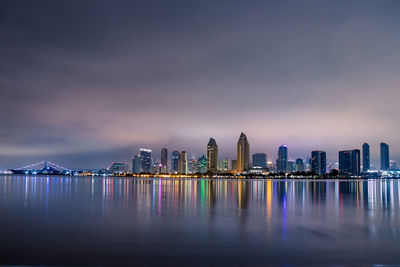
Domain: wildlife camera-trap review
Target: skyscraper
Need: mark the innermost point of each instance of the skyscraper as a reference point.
(136, 164)
(281, 162)
(318, 162)
(174, 160)
(164, 160)
(203, 162)
(224, 164)
(349, 162)
(385, 164)
(243, 154)
(164, 156)
(234, 164)
(183, 163)
(145, 160)
(260, 160)
(366, 158)
(299, 165)
(212, 155)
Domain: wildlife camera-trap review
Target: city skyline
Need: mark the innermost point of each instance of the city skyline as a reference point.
(88, 83)
(212, 150)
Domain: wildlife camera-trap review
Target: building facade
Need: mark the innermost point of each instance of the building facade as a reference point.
(174, 160)
(349, 162)
(366, 157)
(299, 165)
(260, 160)
(243, 154)
(385, 163)
(318, 162)
(281, 162)
(212, 155)
(224, 165)
(145, 160)
(183, 163)
(136, 164)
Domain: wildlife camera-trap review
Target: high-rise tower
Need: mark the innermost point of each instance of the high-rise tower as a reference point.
(385, 164)
(243, 154)
(174, 160)
(212, 155)
(145, 160)
(318, 162)
(366, 157)
(183, 163)
(281, 162)
(349, 162)
(164, 160)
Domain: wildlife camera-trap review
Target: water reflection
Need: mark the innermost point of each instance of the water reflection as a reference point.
(265, 213)
(162, 196)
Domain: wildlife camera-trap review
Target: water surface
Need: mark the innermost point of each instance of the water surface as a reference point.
(79, 220)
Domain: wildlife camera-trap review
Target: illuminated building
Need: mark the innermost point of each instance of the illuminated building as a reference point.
(349, 162)
(183, 163)
(193, 166)
(234, 165)
(136, 164)
(385, 157)
(318, 162)
(164, 160)
(119, 167)
(212, 155)
(299, 165)
(174, 160)
(366, 157)
(243, 154)
(224, 164)
(202, 164)
(281, 162)
(145, 160)
(156, 168)
(260, 160)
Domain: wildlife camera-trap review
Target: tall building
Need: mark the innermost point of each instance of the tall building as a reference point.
(203, 162)
(212, 155)
(366, 158)
(299, 165)
(260, 160)
(145, 160)
(349, 162)
(164, 156)
(281, 162)
(193, 166)
(234, 164)
(183, 163)
(243, 154)
(136, 164)
(174, 160)
(385, 163)
(318, 162)
(224, 164)
(164, 160)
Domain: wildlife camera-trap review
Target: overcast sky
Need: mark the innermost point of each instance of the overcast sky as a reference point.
(86, 83)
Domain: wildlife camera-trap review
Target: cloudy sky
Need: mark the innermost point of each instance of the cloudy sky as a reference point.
(86, 83)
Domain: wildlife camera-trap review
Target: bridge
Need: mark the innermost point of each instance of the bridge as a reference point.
(43, 167)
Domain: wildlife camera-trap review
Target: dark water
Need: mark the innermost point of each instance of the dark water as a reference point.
(63, 220)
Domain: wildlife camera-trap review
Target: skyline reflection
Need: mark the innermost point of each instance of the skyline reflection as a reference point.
(273, 215)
